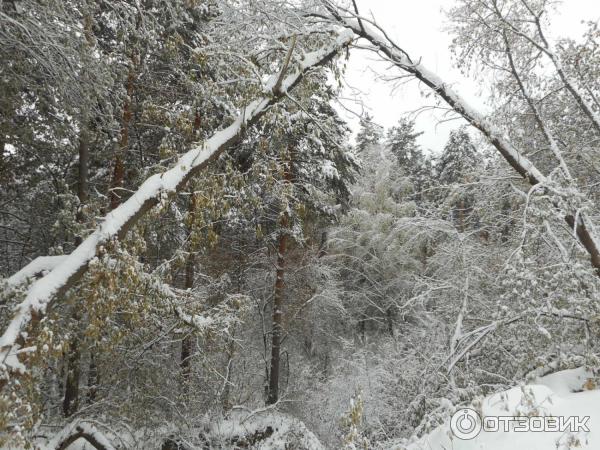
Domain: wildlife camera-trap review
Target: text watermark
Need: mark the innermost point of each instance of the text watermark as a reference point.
(466, 424)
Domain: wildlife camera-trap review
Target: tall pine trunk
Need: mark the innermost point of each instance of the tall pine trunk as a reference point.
(119, 168)
(115, 198)
(73, 361)
(73, 358)
(187, 344)
(278, 298)
(277, 327)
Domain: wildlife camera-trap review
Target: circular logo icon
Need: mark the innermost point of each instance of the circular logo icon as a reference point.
(465, 424)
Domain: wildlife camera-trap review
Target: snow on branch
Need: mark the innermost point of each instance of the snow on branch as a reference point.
(42, 292)
(578, 221)
(211, 319)
(76, 431)
(39, 266)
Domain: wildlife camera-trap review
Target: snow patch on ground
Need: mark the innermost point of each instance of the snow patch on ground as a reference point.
(559, 394)
(259, 430)
(264, 431)
(567, 381)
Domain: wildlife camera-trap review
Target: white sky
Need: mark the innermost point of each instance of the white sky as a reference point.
(417, 26)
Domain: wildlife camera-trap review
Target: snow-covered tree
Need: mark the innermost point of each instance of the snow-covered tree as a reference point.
(414, 164)
(193, 260)
(370, 133)
(402, 142)
(457, 170)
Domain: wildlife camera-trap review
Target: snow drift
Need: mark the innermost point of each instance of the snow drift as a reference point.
(569, 393)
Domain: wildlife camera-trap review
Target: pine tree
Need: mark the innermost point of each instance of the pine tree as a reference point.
(370, 134)
(402, 142)
(456, 168)
(458, 159)
(415, 165)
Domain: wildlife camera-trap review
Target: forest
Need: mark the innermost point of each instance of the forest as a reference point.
(198, 250)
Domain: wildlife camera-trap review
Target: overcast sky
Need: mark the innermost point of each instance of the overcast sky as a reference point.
(418, 27)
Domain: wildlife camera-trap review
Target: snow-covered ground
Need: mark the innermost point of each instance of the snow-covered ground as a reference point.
(569, 393)
(261, 430)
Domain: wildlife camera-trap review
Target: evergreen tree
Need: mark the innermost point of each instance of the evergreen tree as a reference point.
(370, 134)
(260, 268)
(402, 142)
(415, 165)
(459, 159)
(456, 169)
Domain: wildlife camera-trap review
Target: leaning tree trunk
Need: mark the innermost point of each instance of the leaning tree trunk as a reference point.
(578, 220)
(43, 293)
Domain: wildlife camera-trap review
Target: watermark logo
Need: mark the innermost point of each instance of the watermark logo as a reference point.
(466, 424)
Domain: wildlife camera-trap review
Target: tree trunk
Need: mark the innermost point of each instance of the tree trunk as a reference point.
(578, 221)
(119, 169)
(43, 293)
(278, 298)
(5, 176)
(187, 343)
(461, 216)
(362, 330)
(71, 398)
(93, 379)
(115, 201)
(83, 168)
(424, 255)
(226, 394)
(73, 359)
(389, 316)
(323, 245)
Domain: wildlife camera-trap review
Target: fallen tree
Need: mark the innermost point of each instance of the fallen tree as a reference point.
(565, 200)
(43, 293)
